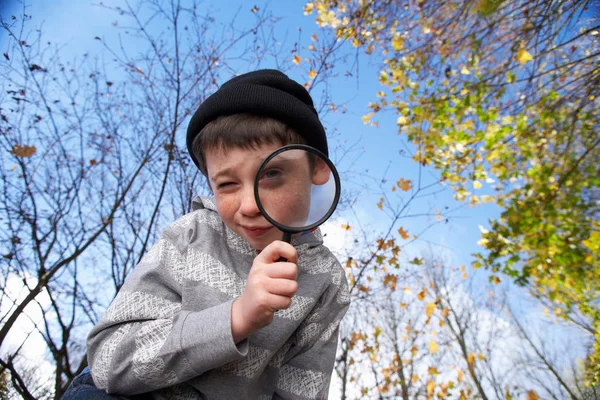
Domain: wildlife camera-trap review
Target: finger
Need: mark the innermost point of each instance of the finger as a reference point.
(281, 270)
(279, 302)
(276, 250)
(282, 287)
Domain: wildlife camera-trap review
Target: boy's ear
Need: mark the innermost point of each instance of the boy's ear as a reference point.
(321, 172)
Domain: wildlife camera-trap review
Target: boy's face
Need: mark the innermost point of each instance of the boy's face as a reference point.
(231, 175)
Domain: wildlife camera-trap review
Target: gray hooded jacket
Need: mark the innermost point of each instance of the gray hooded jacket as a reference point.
(168, 331)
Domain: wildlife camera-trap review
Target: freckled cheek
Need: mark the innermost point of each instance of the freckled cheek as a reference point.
(227, 206)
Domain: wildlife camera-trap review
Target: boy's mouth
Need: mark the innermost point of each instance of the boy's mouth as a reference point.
(255, 230)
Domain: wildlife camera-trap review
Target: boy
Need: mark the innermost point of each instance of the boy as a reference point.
(210, 313)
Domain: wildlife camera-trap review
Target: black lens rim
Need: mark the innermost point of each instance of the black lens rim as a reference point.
(336, 177)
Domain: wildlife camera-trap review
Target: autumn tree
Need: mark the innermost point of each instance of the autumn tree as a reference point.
(502, 98)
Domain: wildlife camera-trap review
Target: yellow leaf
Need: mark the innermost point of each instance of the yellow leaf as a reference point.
(406, 290)
(422, 294)
(380, 204)
(311, 47)
(487, 198)
(367, 118)
(481, 357)
(465, 71)
(297, 59)
(308, 8)
(532, 395)
(314, 37)
(464, 275)
(23, 151)
(377, 331)
(346, 227)
(312, 74)
(405, 185)
(476, 184)
(402, 120)
(383, 77)
(430, 388)
(403, 233)
(397, 42)
(414, 350)
(433, 370)
(523, 56)
(403, 305)
(471, 360)
(430, 308)
(461, 375)
(496, 280)
(445, 312)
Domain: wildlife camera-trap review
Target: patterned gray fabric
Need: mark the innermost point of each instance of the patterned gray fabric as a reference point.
(168, 331)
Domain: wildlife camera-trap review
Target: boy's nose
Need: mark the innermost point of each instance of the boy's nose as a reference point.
(248, 205)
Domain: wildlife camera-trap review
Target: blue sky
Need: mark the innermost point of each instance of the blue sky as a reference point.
(74, 24)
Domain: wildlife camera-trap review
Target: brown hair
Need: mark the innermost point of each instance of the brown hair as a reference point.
(246, 131)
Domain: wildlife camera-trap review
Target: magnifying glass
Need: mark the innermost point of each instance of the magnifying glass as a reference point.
(296, 189)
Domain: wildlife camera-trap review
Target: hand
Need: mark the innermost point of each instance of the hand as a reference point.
(270, 287)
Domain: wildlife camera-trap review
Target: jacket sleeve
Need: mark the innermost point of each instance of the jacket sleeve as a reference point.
(307, 373)
(145, 341)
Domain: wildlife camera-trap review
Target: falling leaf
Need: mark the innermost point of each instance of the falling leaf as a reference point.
(313, 37)
(312, 74)
(464, 275)
(422, 294)
(461, 375)
(403, 305)
(23, 151)
(380, 204)
(346, 227)
(523, 56)
(297, 59)
(532, 395)
(429, 309)
(403, 233)
(406, 290)
(433, 347)
(416, 261)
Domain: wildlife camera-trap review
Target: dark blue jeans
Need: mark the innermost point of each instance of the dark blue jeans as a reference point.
(83, 388)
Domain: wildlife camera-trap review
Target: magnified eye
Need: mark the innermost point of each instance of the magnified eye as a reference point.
(271, 178)
(272, 174)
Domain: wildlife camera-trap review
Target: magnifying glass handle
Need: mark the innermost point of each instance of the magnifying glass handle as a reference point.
(286, 237)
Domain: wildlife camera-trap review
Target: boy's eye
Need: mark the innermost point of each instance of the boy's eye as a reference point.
(224, 185)
(271, 174)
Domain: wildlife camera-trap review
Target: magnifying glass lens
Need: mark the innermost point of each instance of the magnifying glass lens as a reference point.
(296, 188)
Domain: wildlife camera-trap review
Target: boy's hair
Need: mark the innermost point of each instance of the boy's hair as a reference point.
(267, 92)
(246, 131)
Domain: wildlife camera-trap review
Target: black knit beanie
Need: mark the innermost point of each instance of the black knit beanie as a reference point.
(266, 92)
